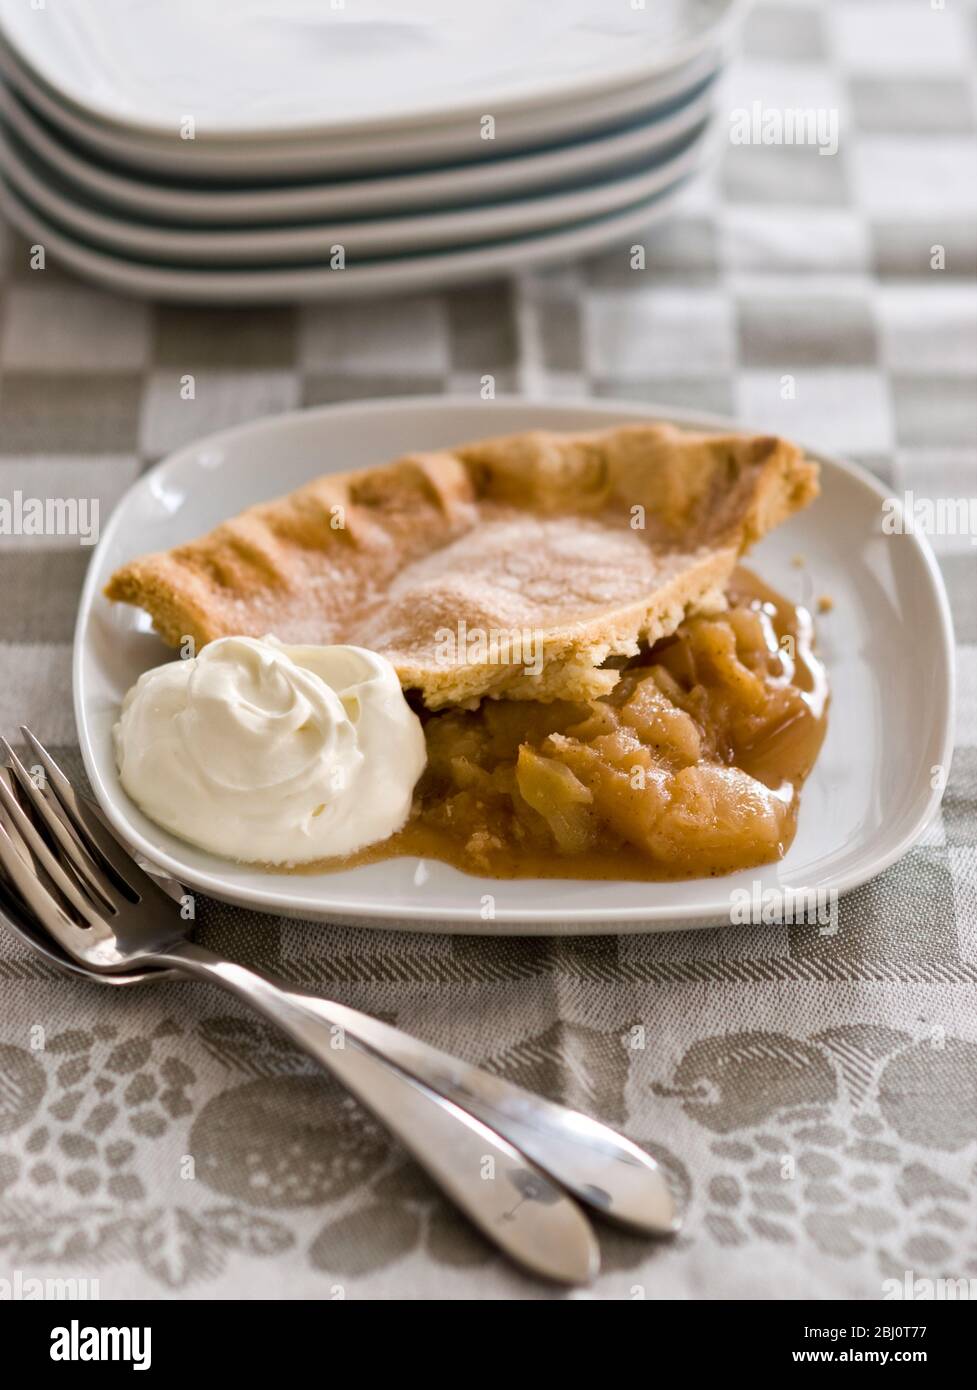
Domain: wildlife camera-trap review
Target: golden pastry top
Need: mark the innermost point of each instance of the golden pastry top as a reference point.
(591, 543)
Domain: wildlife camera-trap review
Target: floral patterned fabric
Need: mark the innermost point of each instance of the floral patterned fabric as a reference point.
(814, 1106)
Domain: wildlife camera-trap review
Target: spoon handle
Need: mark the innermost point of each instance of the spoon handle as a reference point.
(594, 1163)
(502, 1192)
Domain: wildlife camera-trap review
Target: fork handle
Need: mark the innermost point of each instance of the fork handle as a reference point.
(596, 1165)
(514, 1204)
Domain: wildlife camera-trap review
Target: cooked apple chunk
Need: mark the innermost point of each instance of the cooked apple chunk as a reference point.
(690, 766)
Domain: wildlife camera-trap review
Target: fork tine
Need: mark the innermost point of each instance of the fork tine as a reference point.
(25, 829)
(71, 846)
(19, 845)
(38, 900)
(93, 834)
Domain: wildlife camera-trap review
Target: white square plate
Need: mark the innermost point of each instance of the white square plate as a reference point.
(887, 645)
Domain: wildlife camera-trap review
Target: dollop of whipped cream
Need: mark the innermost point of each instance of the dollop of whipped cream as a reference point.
(274, 754)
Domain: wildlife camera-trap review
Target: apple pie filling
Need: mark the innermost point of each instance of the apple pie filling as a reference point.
(690, 767)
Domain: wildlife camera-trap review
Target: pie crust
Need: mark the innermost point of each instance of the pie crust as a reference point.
(590, 546)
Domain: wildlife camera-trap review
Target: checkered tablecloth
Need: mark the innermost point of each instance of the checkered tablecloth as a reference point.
(814, 1099)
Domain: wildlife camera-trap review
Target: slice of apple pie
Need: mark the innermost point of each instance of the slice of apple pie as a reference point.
(605, 693)
(561, 551)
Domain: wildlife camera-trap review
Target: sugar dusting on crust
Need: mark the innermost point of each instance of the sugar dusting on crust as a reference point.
(593, 543)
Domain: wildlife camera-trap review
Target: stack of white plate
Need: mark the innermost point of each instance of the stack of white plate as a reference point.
(230, 151)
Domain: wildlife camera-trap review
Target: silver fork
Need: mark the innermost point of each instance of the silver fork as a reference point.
(506, 1157)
